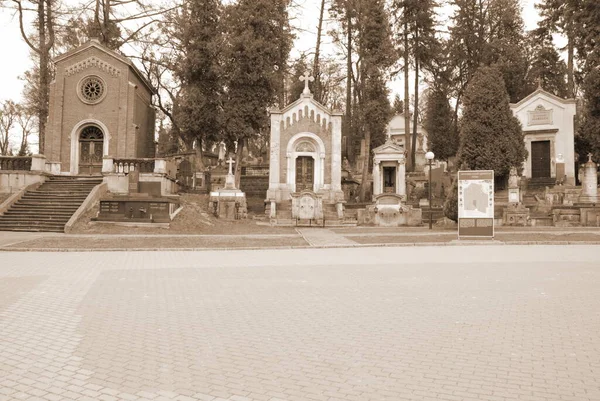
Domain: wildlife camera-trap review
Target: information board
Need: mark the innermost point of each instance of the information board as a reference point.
(476, 203)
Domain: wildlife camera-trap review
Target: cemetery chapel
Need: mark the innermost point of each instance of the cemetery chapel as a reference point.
(100, 108)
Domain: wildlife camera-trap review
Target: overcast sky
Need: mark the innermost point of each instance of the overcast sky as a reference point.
(16, 53)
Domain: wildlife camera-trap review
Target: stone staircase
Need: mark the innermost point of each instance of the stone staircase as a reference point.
(49, 207)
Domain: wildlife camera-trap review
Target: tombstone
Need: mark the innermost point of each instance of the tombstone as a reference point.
(229, 202)
(513, 187)
(589, 192)
(134, 181)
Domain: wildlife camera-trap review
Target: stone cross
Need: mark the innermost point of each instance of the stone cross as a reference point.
(306, 78)
(539, 82)
(230, 162)
(589, 155)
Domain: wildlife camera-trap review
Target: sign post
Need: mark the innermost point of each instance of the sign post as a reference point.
(476, 203)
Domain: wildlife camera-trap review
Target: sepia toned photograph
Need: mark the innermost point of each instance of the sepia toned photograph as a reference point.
(299, 200)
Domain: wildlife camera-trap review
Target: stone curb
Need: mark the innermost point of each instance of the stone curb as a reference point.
(408, 244)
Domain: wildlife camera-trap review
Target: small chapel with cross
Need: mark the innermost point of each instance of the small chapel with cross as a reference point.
(305, 167)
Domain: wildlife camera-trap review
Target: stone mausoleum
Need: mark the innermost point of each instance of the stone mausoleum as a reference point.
(305, 167)
(548, 131)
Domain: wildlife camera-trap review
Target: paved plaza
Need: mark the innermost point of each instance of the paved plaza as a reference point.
(398, 323)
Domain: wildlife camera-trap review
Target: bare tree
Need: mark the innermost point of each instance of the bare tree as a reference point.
(41, 43)
(8, 118)
(26, 122)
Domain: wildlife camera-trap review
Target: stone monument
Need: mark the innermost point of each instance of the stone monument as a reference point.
(589, 183)
(513, 186)
(229, 202)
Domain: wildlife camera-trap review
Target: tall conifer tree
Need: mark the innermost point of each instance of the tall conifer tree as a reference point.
(200, 70)
(491, 137)
(259, 42)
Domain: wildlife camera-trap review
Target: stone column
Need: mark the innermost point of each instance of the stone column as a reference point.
(401, 179)
(275, 151)
(336, 152)
(376, 177)
(589, 192)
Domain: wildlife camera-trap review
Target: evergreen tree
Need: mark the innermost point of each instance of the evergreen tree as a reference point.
(506, 47)
(398, 106)
(375, 50)
(488, 32)
(416, 26)
(442, 138)
(546, 67)
(259, 42)
(199, 114)
(588, 48)
(491, 137)
(560, 16)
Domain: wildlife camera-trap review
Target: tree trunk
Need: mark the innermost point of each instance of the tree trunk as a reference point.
(45, 32)
(316, 69)
(406, 99)
(238, 162)
(570, 67)
(365, 171)
(413, 157)
(348, 122)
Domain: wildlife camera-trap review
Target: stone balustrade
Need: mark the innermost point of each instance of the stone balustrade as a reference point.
(127, 165)
(15, 163)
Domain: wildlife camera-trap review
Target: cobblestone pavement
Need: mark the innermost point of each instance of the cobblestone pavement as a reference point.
(428, 323)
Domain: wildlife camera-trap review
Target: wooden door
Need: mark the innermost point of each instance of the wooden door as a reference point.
(305, 173)
(540, 159)
(91, 144)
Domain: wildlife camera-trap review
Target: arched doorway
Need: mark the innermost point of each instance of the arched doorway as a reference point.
(91, 141)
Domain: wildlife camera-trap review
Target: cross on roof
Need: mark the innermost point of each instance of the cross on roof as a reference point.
(589, 155)
(306, 78)
(230, 162)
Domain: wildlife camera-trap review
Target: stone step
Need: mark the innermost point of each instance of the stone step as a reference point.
(33, 229)
(44, 207)
(49, 203)
(49, 207)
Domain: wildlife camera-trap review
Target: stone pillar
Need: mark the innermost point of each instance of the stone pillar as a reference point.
(38, 163)
(336, 152)
(589, 192)
(401, 179)
(275, 151)
(376, 177)
(108, 164)
(160, 166)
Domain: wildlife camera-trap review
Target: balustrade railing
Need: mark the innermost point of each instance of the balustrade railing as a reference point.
(15, 163)
(127, 165)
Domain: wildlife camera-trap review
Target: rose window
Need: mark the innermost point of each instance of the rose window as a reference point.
(92, 89)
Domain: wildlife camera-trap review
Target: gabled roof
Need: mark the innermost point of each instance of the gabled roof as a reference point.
(388, 147)
(541, 91)
(95, 43)
(311, 100)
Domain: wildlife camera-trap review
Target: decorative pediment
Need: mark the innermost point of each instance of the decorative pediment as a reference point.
(389, 148)
(92, 62)
(539, 116)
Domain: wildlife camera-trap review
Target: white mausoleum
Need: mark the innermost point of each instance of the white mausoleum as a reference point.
(305, 154)
(548, 131)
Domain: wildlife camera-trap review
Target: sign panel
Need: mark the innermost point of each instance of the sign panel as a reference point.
(476, 203)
